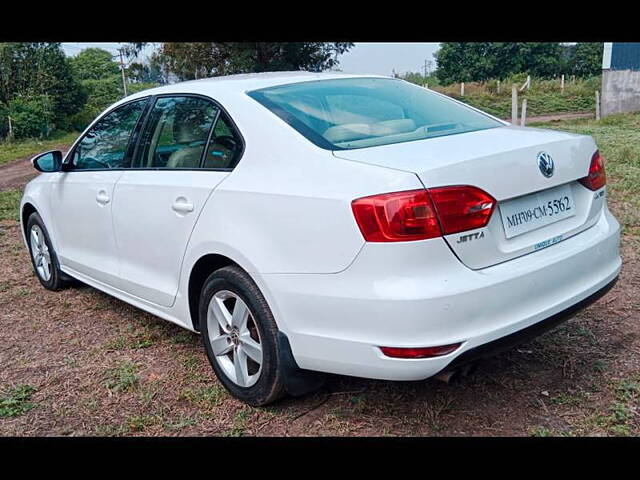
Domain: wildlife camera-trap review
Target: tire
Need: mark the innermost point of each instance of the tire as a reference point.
(46, 255)
(255, 383)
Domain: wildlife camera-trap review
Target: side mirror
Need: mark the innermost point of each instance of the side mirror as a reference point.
(48, 162)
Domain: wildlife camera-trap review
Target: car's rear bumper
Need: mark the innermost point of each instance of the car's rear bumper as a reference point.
(417, 294)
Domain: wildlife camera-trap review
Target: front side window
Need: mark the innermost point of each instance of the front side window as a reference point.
(104, 145)
(176, 134)
(365, 112)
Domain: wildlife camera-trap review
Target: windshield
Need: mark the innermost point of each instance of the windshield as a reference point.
(365, 112)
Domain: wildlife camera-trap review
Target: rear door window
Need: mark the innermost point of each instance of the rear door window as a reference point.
(176, 133)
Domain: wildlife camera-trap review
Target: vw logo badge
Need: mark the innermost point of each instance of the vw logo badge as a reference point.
(545, 164)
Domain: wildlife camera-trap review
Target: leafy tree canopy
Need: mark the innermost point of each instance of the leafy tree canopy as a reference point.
(33, 70)
(204, 59)
(479, 61)
(94, 64)
(586, 59)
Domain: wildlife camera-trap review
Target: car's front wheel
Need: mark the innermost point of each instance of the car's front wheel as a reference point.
(43, 256)
(240, 337)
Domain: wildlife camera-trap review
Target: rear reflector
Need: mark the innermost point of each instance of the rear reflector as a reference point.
(422, 214)
(596, 179)
(423, 352)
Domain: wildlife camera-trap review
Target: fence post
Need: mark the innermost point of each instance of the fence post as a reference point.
(462, 89)
(10, 136)
(514, 104)
(597, 105)
(562, 83)
(498, 89)
(523, 115)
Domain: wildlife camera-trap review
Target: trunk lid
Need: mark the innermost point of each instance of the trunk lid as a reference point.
(503, 162)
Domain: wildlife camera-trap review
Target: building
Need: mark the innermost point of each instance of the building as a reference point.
(620, 78)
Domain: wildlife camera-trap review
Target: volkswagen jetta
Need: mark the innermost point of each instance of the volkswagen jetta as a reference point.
(307, 223)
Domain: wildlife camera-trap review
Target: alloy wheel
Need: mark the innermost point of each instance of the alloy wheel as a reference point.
(234, 338)
(40, 253)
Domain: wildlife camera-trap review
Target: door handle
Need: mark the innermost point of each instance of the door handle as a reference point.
(102, 198)
(182, 205)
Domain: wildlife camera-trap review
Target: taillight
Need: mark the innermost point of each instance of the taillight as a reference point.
(422, 214)
(396, 217)
(420, 352)
(462, 207)
(596, 179)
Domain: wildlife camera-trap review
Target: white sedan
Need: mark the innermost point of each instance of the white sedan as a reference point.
(307, 223)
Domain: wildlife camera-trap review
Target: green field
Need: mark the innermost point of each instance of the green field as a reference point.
(23, 148)
(543, 98)
(618, 138)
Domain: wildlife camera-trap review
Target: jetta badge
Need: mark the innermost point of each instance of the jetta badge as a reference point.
(545, 164)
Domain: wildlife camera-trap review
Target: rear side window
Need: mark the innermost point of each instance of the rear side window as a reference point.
(365, 112)
(176, 133)
(225, 145)
(105, 144)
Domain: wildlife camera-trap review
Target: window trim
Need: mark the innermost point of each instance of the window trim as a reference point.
(141, 125)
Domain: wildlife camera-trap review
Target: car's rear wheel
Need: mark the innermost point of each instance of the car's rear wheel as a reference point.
(240, 337)
(43, 256)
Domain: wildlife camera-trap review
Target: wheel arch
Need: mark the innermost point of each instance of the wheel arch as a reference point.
(201, 269)
(27, 209)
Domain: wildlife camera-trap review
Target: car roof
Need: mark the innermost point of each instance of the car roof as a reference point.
(240, 83)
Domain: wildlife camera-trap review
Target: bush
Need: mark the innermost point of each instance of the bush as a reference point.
(31, 116)
(102, 93)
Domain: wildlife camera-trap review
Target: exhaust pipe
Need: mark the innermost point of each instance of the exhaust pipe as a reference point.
(448, 376)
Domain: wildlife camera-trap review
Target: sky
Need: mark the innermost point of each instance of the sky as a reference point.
(384, 58)
(377, 58)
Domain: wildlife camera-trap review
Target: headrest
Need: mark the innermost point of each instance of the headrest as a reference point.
(392, 127)
(190, 125)
(347, 132)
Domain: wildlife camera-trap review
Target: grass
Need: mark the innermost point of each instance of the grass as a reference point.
(544, 96)
(204, 396)
(240, 420)
(619, 417)
(22, 148)
(16, 401)
(123, 377)
(10, 204)
(618, 138)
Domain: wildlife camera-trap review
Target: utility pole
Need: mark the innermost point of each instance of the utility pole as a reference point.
(124, 82)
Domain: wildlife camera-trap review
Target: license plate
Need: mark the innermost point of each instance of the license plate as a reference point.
(521, 215)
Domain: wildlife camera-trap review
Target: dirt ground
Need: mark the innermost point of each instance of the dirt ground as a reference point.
(79, 362)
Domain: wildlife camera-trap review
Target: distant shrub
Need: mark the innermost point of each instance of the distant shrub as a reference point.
(30, 116)
(544, 96)
(101, 94)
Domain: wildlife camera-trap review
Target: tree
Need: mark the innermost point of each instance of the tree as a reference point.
(94, 64)
(39, 71)
(586, 59)
(197, 60)
(479, 61)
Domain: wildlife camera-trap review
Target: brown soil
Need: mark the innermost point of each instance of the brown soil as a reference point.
(17, 173)
(555, 117)
(102, 367)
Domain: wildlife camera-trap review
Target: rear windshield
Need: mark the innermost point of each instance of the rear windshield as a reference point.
(365, 112)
